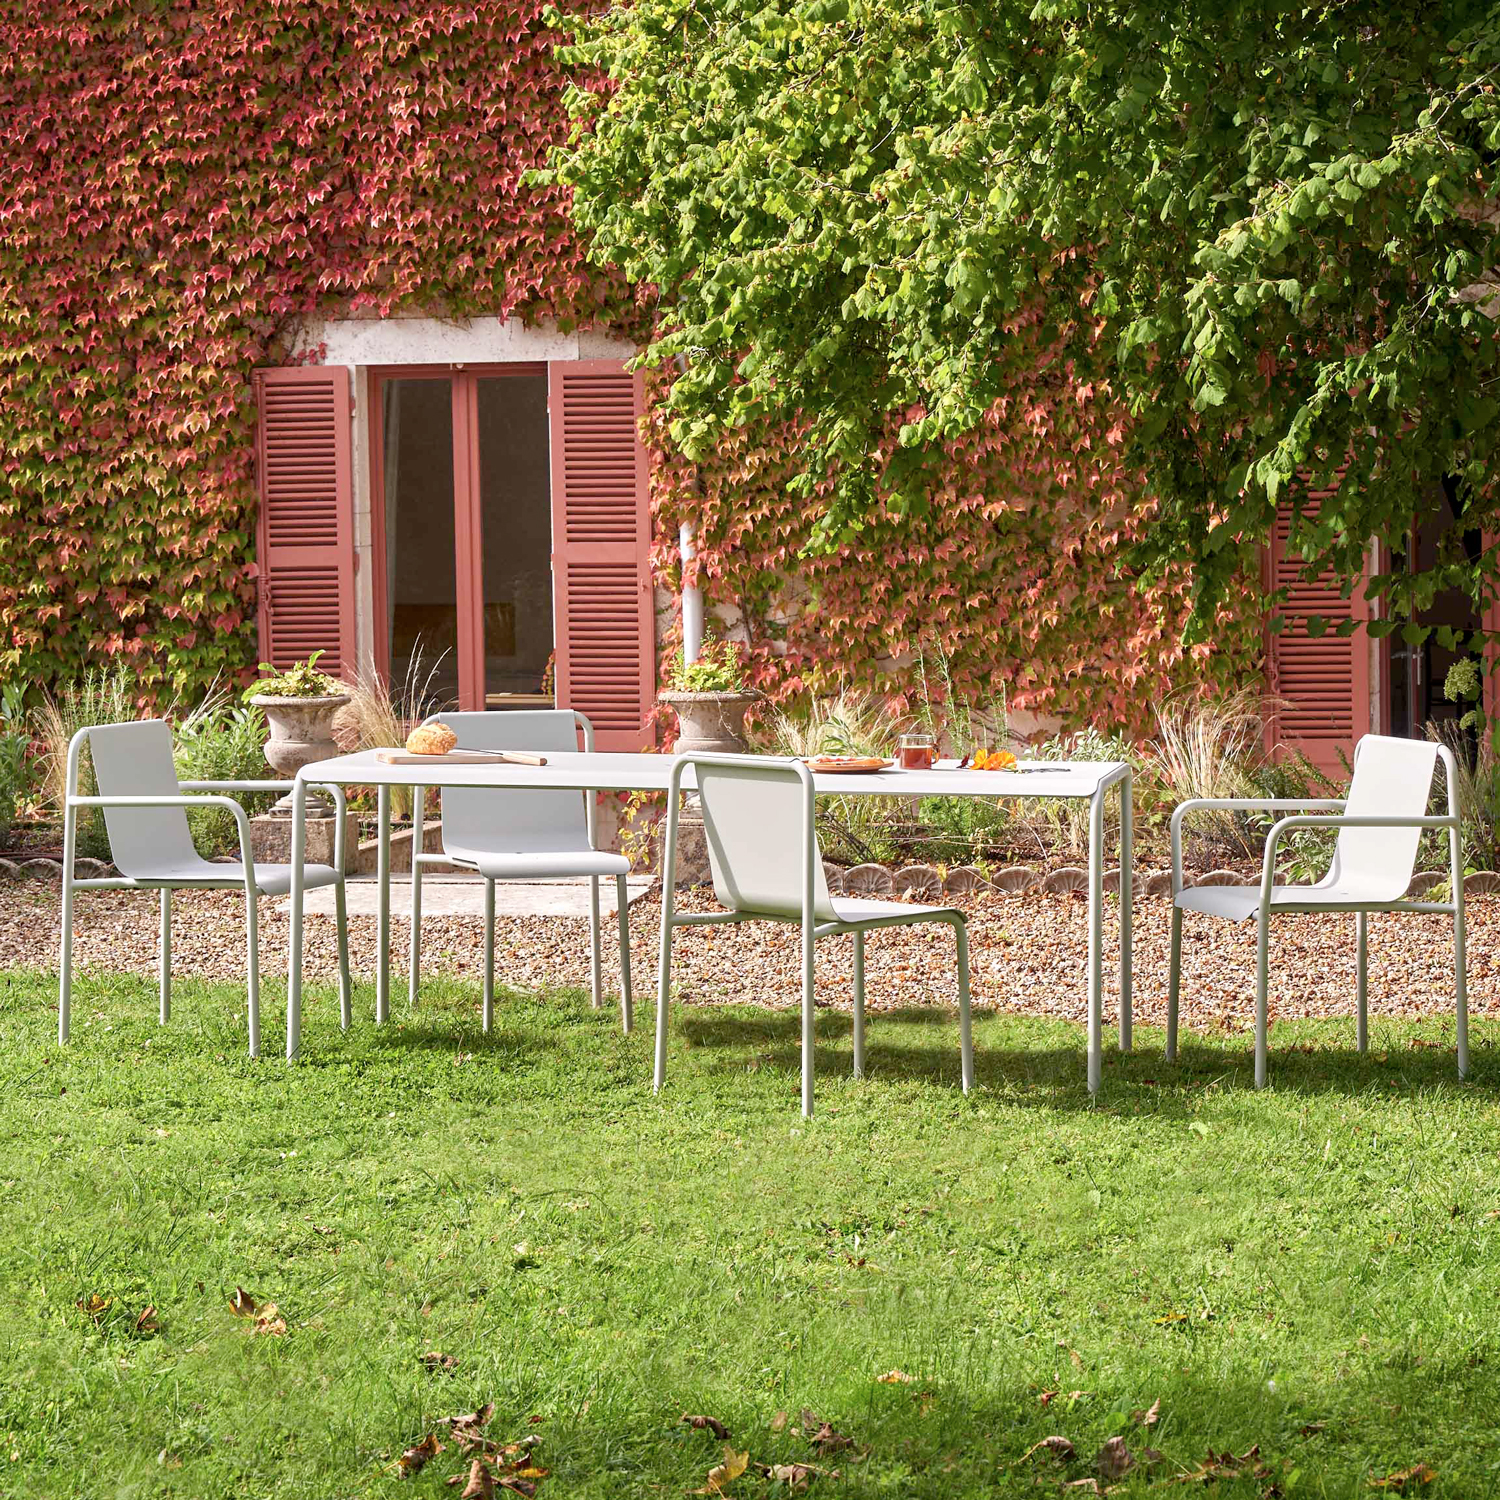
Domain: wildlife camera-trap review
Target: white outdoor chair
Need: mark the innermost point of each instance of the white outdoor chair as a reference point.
(151, 845)
(763, 851)
(508, 834)
(1379, 827)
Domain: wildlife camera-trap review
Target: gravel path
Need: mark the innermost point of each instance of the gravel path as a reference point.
(1028, 954)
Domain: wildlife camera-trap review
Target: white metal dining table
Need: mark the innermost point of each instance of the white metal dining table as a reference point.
(1089, 781)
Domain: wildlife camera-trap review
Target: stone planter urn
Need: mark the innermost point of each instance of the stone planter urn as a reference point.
(712, 723)
(301, 732)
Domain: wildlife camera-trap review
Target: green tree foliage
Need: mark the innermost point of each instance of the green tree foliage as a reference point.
(1275, 219)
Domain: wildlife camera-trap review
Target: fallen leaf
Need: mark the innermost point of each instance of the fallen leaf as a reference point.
(1077, 1359)
(1149, 1417)
(169, 1460)
(1418, 1474)
(707, 1424)
(467, 1430)
(1311, 1429)
(434, 1360)
(1045, 1397)
(778, 1421)
(1113, 1460)
(827, 1441)
(796, 1477)
(242, 1304)
(481, 1485)
(146, 1324)
(414, 1460)
(894, 1377)
(1057, 1445)
(1091, 1484)
(268, 1320)
(94, 1307)
(727, 1472)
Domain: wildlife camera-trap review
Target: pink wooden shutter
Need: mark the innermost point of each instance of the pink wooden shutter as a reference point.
(600, 546)
(1322, 682)
(306, 517)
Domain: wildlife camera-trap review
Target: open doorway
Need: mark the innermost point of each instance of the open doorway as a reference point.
(1415, 672)
(463, 528)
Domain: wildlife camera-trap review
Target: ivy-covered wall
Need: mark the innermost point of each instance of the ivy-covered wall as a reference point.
(1015, 574)
(180, 184)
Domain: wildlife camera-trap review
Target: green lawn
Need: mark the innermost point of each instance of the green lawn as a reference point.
(1312, 1270)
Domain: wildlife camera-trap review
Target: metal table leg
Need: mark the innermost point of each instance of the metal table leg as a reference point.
(1127, 883)
(383, 907)
(1096, 940)
(294, 937)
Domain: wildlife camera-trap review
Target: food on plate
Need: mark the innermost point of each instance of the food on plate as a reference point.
(993, 760)
(431, 739)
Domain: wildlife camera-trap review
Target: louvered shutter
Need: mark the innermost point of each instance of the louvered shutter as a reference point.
(306, 517)
(1321, 684)
(600, 550)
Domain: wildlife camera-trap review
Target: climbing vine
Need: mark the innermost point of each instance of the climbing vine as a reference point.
(180, 185)
(1017, 572)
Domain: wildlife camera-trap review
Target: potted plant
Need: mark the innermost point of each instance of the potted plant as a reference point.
(710, 697)
(299, 705)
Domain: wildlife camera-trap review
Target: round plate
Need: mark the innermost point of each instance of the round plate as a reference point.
(848, 765)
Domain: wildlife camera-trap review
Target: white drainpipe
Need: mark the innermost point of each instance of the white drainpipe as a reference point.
(692, 596)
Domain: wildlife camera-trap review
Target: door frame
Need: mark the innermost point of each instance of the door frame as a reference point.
(468, 532)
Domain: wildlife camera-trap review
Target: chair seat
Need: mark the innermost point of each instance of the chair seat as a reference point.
(542, 864)
(857, 909)
(1238, 903)
(270, 880)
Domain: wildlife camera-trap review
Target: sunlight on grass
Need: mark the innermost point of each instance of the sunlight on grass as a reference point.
(1312, 1269)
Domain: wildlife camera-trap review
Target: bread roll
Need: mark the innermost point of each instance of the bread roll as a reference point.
(431, 739)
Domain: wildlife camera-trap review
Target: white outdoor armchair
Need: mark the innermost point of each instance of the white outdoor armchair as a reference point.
(145, 816)
(508, 834)
(1380, 825)
(763, 851)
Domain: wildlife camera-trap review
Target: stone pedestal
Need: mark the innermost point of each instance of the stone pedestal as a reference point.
(271, 838)
(692, 846)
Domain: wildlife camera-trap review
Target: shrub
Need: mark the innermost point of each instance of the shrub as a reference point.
(222, 740)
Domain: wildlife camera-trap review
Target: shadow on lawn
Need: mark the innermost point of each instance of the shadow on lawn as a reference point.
(1054, 1075)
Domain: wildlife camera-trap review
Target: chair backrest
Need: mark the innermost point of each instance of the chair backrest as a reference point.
(507, 821)
(755, 819)
(1392, 779)
(135, 760)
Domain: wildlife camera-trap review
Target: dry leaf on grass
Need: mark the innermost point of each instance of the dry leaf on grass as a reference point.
(796, 1477)
(467, 1431)
(778, 1421)
(827, 1441)
(415, 1459)
(1227, 1466)
(706, 1424)
(894, 1377)
(1404, 1479)
(481, 1485)
(1149, 1417)
(733, 1465)
(94, 1307)
(1113, 1460)
(242, 1304)
(435, 1360)
(268, 1320)
(146, 1323)
(1057, 1445)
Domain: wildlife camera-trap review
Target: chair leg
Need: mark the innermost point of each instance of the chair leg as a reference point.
(622, 916)
(596, 957)
(859, 1005)
(1361, 978)
(65, 954)
(165, 1013)
(252, 969)
(664, 961)
(965, 1021)
(808, 942)
(1174, 982)
(346, 980)
(413, 980)
(1461, 989)
(489, 955)
(1262, 987)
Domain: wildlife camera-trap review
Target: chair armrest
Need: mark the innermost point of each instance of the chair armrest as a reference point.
(236, 786)
(1234, 804)
(1336, 820)
(229, 805)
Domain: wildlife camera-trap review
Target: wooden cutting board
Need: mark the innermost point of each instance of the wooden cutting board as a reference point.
(460, 758)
